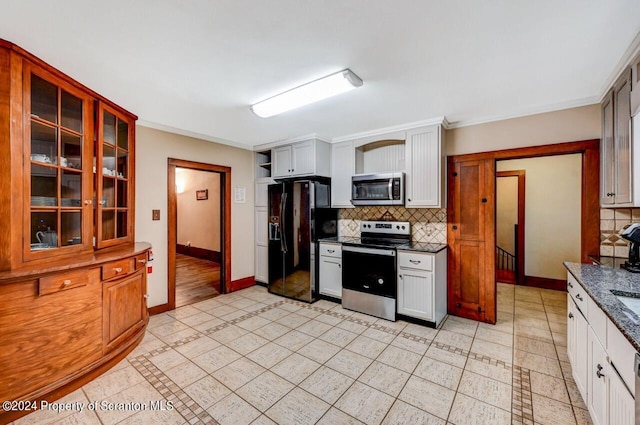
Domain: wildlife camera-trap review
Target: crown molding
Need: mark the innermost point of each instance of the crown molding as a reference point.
(527, 112)
(309, 136)
(632, 51)
(174, 130)
(400, 127)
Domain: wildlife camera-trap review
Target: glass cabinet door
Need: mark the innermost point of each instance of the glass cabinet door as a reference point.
(58, 132)
(114, 156)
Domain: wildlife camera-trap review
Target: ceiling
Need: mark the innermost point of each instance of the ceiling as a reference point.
(194, 67)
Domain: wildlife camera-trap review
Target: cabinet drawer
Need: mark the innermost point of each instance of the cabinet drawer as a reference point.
(621, 355)
(117, 269)
(414, 260)
(597, 320)
(62, 282)
(140, 261)
(578, 294)
(331, 250)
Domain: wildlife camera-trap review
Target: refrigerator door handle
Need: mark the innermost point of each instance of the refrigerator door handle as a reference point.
(283, 226)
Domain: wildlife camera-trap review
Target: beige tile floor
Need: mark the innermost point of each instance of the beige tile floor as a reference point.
(254, 358)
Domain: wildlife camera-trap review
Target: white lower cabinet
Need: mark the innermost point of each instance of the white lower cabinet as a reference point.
(600, 357)
(330, 270)
(597, 377)
(261, 251)
(422, 285)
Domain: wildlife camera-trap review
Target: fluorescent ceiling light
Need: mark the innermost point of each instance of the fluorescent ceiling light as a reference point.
(314, 91)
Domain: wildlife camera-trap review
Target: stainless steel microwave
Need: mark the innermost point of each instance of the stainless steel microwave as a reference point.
(377, 189)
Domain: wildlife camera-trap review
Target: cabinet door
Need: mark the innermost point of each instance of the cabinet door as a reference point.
(49, 337)
(262, 245)
(331, 276)
(622, 406)
(281, 161)
(622, 134)
(598, 375)
(416, 293)
(581, 366)
(424, 165)
(471, 240)
(58, 135)
(635, 86)
(304, 161)
(124, 308)
(343, 167)
(571, 331)
(114, 177)
(607, 153)
(262, 192)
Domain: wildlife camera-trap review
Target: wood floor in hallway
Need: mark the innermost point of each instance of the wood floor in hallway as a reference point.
(196, 280)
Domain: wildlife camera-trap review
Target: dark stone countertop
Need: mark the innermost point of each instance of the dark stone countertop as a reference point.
(423, 247)
(599, 281)
(411, 246)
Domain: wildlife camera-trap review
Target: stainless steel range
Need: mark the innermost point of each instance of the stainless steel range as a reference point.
(369, 268)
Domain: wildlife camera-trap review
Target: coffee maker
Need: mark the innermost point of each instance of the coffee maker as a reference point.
(632, 234)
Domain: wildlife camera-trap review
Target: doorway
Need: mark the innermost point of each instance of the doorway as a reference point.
(199, 231)
(510, 226)
(471, 228)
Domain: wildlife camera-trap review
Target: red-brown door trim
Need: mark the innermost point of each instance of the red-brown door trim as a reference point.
(520, 259)
(225, 216)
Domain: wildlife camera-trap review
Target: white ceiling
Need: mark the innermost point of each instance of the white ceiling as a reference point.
(195, 66)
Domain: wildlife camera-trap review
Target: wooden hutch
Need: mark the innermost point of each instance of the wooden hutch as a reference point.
(72, 280)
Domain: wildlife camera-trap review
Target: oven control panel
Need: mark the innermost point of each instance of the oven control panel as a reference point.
(386, 227)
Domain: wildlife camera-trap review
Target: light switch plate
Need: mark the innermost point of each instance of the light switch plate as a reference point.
(155, 214)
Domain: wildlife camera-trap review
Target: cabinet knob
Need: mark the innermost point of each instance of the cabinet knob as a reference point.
(143, 261)
(598, 373)
(146, 296)
(570, 315)
(415, 261)
(569, 284)
(117, 269)
(578, 296)
(400, 276)
(66, 282)
(88, 202)
(331, 251)
(454, 227)
(409, 199)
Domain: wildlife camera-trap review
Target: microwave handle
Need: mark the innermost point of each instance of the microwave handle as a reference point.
(391, 189)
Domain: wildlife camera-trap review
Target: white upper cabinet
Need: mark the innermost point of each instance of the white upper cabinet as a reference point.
(619, 186)
(635, 86)
(307, 158)
(424, 168)
(343, 160)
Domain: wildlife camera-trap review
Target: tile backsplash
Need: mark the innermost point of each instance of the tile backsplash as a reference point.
(611, 222)
(427, 225)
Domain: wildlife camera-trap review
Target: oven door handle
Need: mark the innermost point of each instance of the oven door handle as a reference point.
(391, 189)
(372, 251)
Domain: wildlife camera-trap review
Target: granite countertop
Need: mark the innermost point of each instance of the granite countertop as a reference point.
(411, 246)
(423, 247)
(608, 261)
(598, 281)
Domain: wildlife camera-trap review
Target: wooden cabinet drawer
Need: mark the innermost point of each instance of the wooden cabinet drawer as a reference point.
(415, 260)
(140, 261)
(117, 269)
(331, 250)
(62, 282)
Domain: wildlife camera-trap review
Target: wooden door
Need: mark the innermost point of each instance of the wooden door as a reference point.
(471, 239)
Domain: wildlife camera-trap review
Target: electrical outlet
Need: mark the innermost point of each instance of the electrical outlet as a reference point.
(155, 214)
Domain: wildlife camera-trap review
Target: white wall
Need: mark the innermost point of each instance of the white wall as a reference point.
(552, 212)
(153, 148)
(198, 220)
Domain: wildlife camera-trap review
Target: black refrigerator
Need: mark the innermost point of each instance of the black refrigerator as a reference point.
(300, 214)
